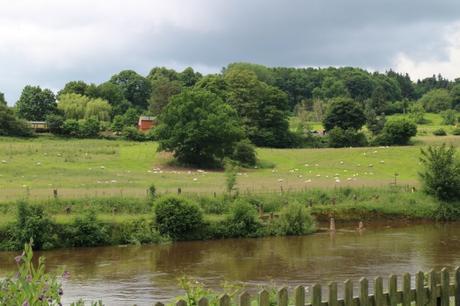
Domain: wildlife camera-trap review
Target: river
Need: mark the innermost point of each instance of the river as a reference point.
(146, 274)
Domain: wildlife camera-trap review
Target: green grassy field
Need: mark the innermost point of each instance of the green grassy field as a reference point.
(79, 168)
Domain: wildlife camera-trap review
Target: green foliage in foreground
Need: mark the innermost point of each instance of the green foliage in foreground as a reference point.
(32, 286)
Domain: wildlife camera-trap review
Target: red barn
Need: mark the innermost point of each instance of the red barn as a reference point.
(146, 123)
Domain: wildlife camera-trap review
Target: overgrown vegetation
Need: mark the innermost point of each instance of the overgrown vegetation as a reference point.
(113, 221)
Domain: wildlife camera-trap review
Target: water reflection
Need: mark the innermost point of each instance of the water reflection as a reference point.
(124, 275)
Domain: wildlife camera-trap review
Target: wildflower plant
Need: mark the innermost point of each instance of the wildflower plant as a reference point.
(31, 285)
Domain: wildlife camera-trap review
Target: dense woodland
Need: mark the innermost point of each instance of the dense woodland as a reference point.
(204, 119)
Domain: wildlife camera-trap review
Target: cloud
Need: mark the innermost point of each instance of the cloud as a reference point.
(50, 42)
(432, 65)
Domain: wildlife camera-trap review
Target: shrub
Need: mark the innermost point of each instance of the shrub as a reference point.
(132, 133)
(242, 221)
(55, 123)
(295, 220)
(139, 231)
(71, 128)
(33, 224)
(397, 132)
(339, 138)
(449, 117)
(87, 231)
(441, 172)
(89, 128)
(245, 153)
(439, 132)
(118, 124)
(456, 131)
(12, 126)
(178, 218)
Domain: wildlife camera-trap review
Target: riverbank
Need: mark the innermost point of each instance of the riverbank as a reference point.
(86, 222)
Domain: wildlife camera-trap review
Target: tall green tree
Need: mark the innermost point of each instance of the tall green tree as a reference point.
(76, 87)
(35, 103)
(136, 89)
(163, 90)
(199, 128)
(359, 85)
(189, 77)
(344, 113)
(261, 107)
(114, 95)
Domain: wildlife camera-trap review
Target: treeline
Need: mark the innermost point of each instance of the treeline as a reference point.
(254, 103)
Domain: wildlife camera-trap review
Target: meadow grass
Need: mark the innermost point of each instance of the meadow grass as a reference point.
(101, 168)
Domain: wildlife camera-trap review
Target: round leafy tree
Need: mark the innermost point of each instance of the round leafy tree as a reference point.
(199, 128)
(344, 113)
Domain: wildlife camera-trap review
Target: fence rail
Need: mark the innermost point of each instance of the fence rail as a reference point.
(431, 289)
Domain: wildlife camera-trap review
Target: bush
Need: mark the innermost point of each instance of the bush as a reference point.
(12, 126)
(295, 219)
(55, 124)
(132, 133)
(397, 132)
(178, 218)
(71, 128)
(89, 128)
(118, 124)
(449, 117)
(439, 132)
(339, 138)
(243, 220)
(33, 224)
(456, 131)
(87, 231)
(244, 153)
(441, 172)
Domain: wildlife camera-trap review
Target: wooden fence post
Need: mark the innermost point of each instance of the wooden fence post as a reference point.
(299, 296)
(203, 302)
(316, 295)
(378, 292)
(445, 298)
(333, 301)
(420, 289)
(457, 286)
(245, 299)
(264, 298)
(392, 290)
(224, 300)
(432, 282)
(406, 290)
(364, 292)
(283, 299)
(348, 293)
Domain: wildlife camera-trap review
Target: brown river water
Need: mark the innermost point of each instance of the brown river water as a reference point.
(146, 274)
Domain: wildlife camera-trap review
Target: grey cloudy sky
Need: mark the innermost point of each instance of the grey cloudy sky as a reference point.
(50, 42)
